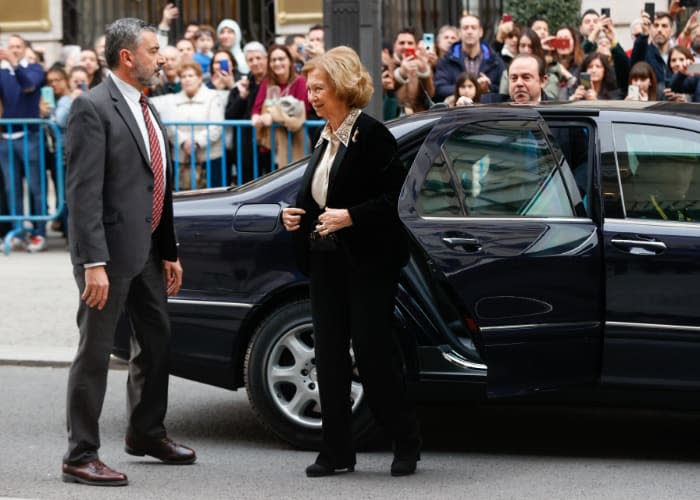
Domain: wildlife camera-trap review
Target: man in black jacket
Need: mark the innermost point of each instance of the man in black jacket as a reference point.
(240, 107)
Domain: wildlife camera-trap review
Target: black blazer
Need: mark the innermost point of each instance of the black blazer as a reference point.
(109, 185)
(366, 178)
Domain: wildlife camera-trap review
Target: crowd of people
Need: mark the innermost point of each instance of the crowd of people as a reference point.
(210, 75)
(587, 62)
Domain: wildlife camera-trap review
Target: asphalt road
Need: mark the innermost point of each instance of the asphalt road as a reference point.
(498, 453)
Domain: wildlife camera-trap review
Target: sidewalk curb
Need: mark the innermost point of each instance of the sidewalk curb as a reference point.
(57, 357)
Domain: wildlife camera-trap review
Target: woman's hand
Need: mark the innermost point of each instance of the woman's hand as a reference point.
(579, 93)
(291, 217)
(276, 114)
(332, 220)
(263, 120)
(222, 81)
(44, 108)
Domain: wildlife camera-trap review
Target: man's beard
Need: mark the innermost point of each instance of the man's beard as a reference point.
(147, 77)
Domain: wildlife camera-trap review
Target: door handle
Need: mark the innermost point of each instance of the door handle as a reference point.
(471, 244)
(640, 247)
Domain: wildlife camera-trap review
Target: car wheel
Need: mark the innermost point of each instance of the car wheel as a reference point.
(280, 377)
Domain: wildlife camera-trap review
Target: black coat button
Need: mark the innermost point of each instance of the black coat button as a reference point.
(148, 219)
(150, 189)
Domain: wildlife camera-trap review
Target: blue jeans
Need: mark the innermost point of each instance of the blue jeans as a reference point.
(12, 160)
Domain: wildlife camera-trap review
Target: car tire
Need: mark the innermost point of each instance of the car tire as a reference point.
(280, 379)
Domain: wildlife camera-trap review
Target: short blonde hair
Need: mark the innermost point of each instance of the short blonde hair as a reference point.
(346, 74)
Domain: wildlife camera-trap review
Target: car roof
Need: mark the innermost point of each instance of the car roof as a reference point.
(590, 108)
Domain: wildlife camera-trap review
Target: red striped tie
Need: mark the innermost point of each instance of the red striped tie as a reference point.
(156, 166)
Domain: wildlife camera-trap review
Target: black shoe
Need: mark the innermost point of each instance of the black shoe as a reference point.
(320, 470)
(404, 466)
(406, 456)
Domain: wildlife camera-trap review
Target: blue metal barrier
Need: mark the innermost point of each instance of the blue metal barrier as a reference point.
(237, 136)
(27, 139)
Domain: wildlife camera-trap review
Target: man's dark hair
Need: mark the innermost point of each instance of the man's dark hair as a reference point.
(123, 34)
(537, 17)
(588, 11)
(661, 15)
(289, 39)
(407, 30)
(538, 59)
(315, 27)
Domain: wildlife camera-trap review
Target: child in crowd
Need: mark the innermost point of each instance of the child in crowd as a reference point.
(467, 91)
(203, 45)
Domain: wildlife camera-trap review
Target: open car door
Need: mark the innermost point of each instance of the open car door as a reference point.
(496, 213)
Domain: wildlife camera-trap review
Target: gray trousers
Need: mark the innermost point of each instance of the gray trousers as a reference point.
(144, 298)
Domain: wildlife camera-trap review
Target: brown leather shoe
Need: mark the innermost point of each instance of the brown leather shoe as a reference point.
(164, 449)
(94, 473)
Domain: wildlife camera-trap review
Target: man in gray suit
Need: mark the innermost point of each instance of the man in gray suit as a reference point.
(124, 254)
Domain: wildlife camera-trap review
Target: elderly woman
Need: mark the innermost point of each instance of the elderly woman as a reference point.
(349, 240)
(281, 83)
(195, 102)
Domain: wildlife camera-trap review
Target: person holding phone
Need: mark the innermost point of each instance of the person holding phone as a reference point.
(413, 75)
(223, 72)
(641, 83)
(603, 39)
(507, 35)
(596, 80)
(660, 30)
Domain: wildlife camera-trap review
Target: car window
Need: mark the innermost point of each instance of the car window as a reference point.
(498, 168)
(658, 171)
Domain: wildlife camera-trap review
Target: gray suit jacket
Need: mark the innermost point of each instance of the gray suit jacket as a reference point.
(109, 186)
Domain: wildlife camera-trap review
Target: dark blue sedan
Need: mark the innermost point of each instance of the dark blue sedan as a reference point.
(555, 256)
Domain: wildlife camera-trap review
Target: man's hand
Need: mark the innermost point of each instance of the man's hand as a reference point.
(96, 287)
(8, 56)
(173, 276)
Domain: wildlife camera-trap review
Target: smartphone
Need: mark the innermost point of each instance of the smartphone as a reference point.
(633, 92)
(506, 18)
(223, 66)
(649, 8)
(428, 41)
(83, 86)
(689, 3)
(585, 80)
(409, 51)
(605, 11)
(694, 68)
(560, 43)
(48, 95)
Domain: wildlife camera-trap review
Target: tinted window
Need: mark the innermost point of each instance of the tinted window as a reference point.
(658, 171)
(502, 168)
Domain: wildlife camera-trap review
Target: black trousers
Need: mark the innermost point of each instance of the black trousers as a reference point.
(145, 299)
(351, 304)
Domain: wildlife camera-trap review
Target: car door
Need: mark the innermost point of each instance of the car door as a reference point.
(652, 254)
(493, 207)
